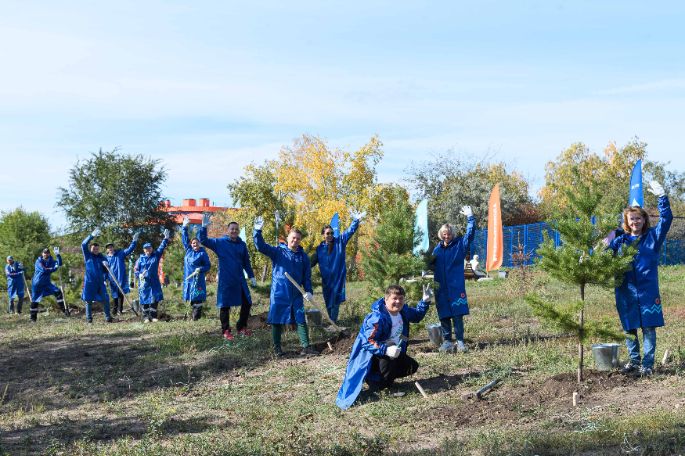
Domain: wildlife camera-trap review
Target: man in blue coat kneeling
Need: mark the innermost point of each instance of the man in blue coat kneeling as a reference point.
(379, 354)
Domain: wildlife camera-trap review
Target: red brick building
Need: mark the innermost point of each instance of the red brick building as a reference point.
(192, 209)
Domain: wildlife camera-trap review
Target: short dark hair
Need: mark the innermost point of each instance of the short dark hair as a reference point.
(233, 223)
(295, 230)
(395, 289)
(46, 250)
(323, 230)
(94, 244)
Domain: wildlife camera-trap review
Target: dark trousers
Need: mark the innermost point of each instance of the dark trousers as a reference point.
(60, 303)
(118, 304)
(20, 302)
(391, 369)
(150, 310)
(224, 315)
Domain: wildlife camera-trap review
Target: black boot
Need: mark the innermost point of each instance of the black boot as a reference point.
(197, 311)
(20, 302)
(115, 307)
(34, 311)
(11, 307)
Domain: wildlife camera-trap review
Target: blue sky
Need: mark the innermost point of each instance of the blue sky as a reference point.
(209, 87)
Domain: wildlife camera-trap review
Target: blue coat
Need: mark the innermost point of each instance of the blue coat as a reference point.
(149, 287)
(194, 289)
(375, 330)
(449, 273)
(637, 299)
(117, 264)
(40, 284)
(333, 268)
(286, 301)
(233, 259)
(15, 280)
(94, 288)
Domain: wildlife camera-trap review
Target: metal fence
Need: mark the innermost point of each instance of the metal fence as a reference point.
(529, 237)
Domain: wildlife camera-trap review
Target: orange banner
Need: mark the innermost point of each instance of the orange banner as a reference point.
(495, 234)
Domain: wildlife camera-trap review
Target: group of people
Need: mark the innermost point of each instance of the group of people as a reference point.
(379, 354)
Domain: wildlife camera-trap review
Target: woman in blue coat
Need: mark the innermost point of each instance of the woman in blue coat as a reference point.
(95, 276)
(15, 284)
(286, 302)
(116, 259)
(195, 265)
(637, 298)
(41, 286)
(330, 256)
(232, 288)
(379, 354)
(448, 258)
(149, 286)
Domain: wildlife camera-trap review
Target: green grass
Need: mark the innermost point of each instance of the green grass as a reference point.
(177, 388)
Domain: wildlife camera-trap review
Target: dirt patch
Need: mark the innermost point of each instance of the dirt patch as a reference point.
(258, 321)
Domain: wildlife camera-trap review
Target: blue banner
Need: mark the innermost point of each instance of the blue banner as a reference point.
(636, 197)
(421, 223)
(335, 224)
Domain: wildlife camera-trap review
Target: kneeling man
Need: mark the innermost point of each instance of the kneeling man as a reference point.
(379, 354)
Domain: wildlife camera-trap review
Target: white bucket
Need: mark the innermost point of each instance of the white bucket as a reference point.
(605, 356)
(435, 333)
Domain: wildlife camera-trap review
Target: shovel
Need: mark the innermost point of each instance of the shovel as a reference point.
(111, 276)
(332, 328)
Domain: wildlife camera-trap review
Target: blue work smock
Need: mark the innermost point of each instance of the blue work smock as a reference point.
(117, 265)
(41, 286)
(149, 286)
(374, 331)
(95, 275)
(195, 288)
(286, 301)
(331, 261)
(638, 301)
(449, 259)
(15, 280)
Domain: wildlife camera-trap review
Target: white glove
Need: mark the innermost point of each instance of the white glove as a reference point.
(357, 215)
(167, 234)
(393, 351)
(466, 210)
(186, 221)
(105, 264)
(253, 281)
(308, 296)
(657, 189)
(56, 250)
(258, 223)
(206, 219)
(198, 270)
(96, 232)
(136, 235)
(142, 275)
(427, 294)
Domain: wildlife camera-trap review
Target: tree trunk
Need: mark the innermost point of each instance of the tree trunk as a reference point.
(581, 322)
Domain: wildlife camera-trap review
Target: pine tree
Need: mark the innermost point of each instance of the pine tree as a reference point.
(390, 256)
(581, 259)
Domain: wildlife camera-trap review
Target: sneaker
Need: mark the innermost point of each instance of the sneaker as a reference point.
(228, 335)
(147, 320)
(278, 352)
(89, 320)
(446, 346)
(307, 351)
(109, 320)
(629, 368)
(461, 347)
(245, 332)
(154, 320)
(645, 371)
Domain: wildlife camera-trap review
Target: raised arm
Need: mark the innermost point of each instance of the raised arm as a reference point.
(350, 231)
(84, 245)
(262, 246)
(665, 220)
(470, 228)
(208, 242)
(132, 246)
(162, 246)
(185, 239)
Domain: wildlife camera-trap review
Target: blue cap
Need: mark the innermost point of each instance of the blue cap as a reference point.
(147, 245)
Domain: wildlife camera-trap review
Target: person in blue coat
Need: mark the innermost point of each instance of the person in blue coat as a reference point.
(41, 286)
(379, 354)
(448, 260)
(286, 301)
(15, 284)
(637, 298)
(195, 265)
(330, 256)
(149, 286)
(116, 260)
(95, 277)
(232, 290)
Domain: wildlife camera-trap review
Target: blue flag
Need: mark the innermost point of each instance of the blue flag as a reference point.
(636, 197)
(335, 224)
(421, 223)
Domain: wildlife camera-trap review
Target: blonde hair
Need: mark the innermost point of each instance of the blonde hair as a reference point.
(635, 210)
(446, 227)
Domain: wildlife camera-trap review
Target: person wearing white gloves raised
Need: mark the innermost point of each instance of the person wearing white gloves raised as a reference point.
(450, 298)
(195, 265)
(286, 301)
(232, 289)
(379, 354)
(147, 272)
(95, 276)
(330, 256)
(638, 300)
